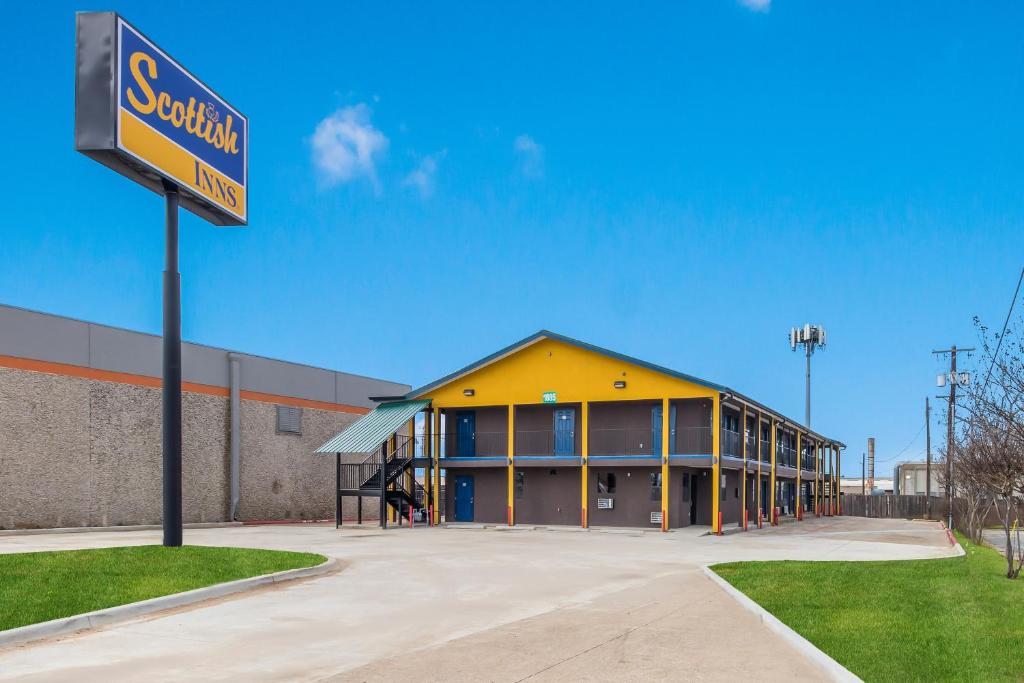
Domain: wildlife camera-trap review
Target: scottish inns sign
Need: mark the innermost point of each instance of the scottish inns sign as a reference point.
(143, 114)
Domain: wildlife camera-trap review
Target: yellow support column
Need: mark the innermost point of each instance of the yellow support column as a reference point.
(743, 496)
(584, 467)
(436, 453)
(771, 492)
(428, 472)
(821, 464)
(831, 479)
(665, 450)
(839, 467)
(511, 465)
(757, 446)
(817, 484)
(799, 467)
(392, 444)
(410, 475)
(716, 463)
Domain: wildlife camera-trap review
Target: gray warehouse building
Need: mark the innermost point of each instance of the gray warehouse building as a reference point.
(80, 428)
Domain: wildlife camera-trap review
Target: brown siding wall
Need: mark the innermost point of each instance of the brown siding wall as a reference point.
(491, 431)
(550, 496)
(621, 428)
(633, 503)
(535, 429)
(490, 493)
(731, 503)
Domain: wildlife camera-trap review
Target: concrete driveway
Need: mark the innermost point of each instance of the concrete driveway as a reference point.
(469, 604)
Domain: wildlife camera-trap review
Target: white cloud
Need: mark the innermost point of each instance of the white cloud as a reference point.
(346, 146)
(423, 177)
(530, 155)
(757, 5)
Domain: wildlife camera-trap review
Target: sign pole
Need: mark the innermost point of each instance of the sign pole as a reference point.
(172, 375)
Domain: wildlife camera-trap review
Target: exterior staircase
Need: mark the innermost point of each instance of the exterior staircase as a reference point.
(385, 474)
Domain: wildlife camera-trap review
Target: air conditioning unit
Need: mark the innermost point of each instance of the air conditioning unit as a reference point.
(605, 503)
(656, 518)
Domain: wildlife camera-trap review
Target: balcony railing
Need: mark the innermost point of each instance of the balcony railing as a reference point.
(545, 442)
(731, 444)
(785, 456)
(693, 441)
(478, 444)
(622, 442)
(687, 441)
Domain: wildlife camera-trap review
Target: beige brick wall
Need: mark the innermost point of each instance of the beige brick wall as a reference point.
(80, 452)
(275, 484)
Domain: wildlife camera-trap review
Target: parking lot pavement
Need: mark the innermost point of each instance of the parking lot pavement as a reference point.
(468, 604)
(997, 539)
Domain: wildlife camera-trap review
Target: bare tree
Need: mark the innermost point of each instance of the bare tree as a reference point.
(971, 499)
(991, 455)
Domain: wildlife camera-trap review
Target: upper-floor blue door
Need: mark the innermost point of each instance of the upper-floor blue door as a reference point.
(656, 414)
(465, 433)
(565, 431)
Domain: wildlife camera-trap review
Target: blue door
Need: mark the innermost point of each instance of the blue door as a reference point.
(465, 435)
(656, 414)
(565, 432)
(463, 499)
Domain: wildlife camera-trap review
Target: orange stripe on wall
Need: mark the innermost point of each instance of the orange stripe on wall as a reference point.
(155, 382)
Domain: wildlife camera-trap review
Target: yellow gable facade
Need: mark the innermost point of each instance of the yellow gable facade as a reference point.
(573, 374)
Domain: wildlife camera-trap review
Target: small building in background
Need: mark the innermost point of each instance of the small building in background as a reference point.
(911, 479)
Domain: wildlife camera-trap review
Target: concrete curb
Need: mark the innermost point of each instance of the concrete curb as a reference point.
(120, 613)
(960, 552)
(834, 670)
(132, 527)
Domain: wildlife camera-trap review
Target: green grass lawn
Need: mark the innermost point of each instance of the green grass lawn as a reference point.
(956, 619)
(38, 587)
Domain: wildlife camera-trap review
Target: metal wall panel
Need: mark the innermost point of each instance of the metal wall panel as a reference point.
(52, 338)
(38, 336)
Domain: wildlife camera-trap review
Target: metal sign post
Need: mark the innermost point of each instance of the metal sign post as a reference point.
(172, 374)
(143, 114)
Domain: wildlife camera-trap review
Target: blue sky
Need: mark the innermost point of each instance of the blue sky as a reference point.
(682, 183)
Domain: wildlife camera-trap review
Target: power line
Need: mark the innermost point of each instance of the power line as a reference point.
(1003, 333)
(905, 448)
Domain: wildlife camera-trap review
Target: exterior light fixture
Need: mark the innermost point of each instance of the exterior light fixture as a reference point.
(468, 392)
(620, 384)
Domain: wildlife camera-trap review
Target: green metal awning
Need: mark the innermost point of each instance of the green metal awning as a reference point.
(366, 434)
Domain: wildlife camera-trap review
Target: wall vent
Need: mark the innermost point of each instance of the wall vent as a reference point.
(289, 420)
(605, 503)
(655, 518)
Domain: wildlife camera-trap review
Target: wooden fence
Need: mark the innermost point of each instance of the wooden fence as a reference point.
(892, 507)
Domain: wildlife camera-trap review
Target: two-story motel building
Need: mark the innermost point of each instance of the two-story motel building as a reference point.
(554, 431)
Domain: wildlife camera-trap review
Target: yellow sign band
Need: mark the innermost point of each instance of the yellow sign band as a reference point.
(189, 171)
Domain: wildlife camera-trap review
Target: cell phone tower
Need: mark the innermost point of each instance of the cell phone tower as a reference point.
(810, 337)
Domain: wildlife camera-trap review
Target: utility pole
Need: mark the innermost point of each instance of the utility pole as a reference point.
(928, 458)
(954, 380)
(810, 336)
(862, 485)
